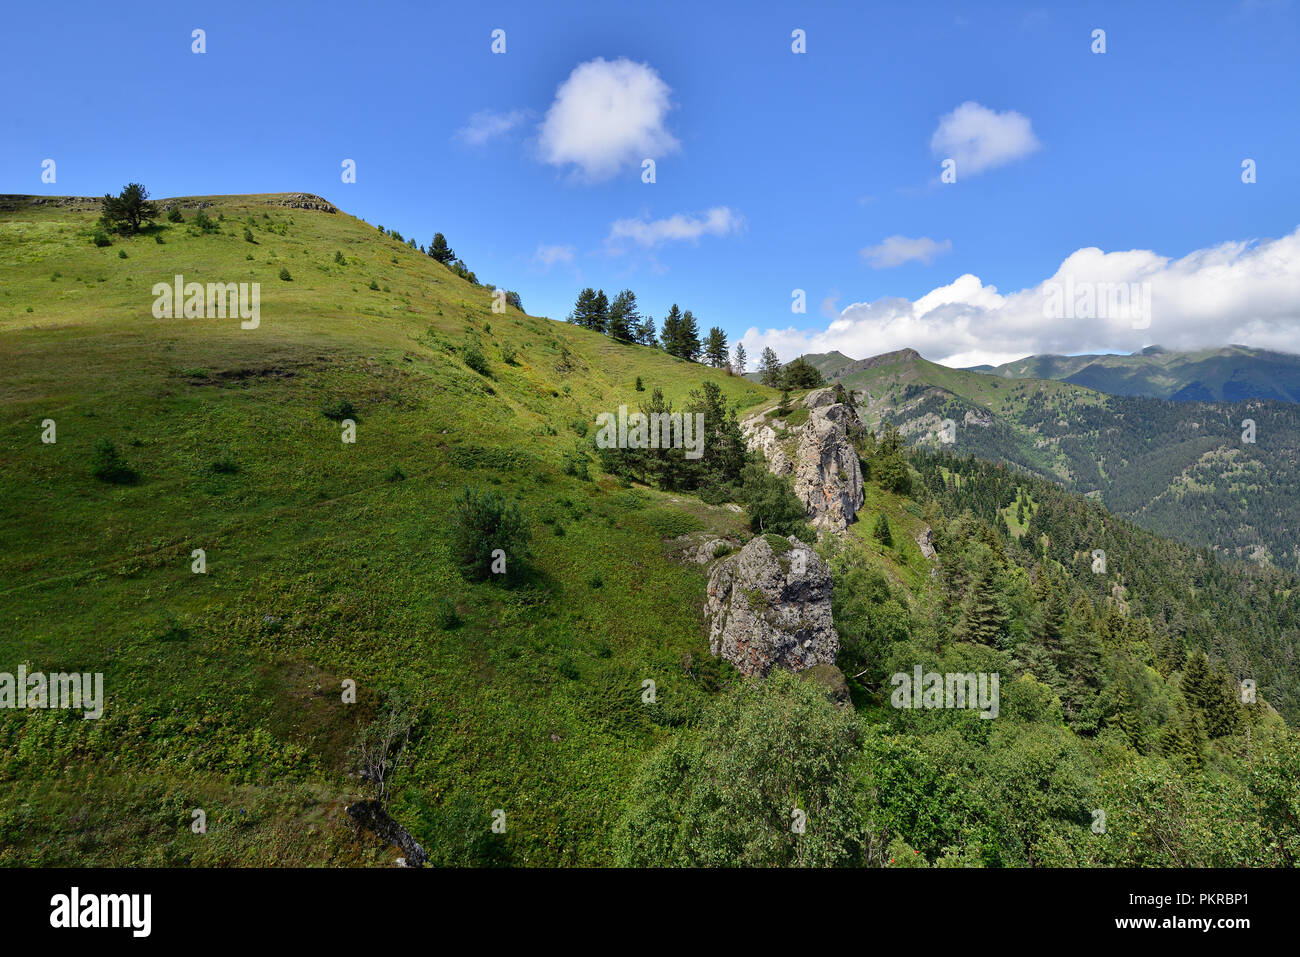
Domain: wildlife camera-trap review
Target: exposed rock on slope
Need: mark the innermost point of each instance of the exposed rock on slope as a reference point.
(818, 453)
(769, 606)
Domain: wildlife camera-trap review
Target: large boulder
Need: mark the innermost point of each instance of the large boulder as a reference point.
(769, 606)
(818, 454)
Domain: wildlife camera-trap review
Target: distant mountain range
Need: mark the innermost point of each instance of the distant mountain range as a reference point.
(1181, 469)
(1229, 374)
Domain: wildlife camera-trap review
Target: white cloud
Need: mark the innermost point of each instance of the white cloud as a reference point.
(897, 250)
(606, 115)
(1244, 293)
(718, 221)
(979, 138)
(548, 256)
(486, 125)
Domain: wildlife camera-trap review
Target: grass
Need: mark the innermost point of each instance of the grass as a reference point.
(224, 689)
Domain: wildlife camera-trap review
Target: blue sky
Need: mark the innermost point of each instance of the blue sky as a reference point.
(774, 170)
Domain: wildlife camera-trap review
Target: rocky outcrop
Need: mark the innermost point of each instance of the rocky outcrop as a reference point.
(925, 541)
(818, 454)
(769, 606)
(372, 816)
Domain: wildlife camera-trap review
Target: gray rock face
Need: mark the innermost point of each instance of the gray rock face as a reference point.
(770, 607)
(818, 453)
(926, 542)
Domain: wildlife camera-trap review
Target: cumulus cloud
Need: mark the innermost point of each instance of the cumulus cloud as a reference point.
(548, 256)
(718, 221)
(487, 125)
(1244, 293)
(607, 115)
(979, 138)
(897, 250)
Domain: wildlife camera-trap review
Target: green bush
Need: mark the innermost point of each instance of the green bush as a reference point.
(481, 524)
(446, 615)
(769, 754)
(100, 238)
(107, 465)
(772, 506)
(339, 410)
(474, 358)
(284, 274)
(174, 215)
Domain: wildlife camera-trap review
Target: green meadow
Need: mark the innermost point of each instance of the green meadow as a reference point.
(325, 561)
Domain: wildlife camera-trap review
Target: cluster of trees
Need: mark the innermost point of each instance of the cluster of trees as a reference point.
(799, 374)
(679, 335)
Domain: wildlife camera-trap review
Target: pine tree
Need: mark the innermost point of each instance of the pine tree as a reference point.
(440, 251)
(624, 320)
(740, 360)
(982, 619)
(715, 348)
(689, 339)
(584, 308)
(880, 532)
(769, 368)
(600, 312)
(671, 332)
(129, 210)
(645, 333)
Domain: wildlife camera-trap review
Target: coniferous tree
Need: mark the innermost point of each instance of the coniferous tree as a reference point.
(982, 619)
(740, 360)
(624, 319)
(689, 347)
(880, 532)
(129, 210)
(584, 309)
(645, 332)
(715, 348)
(440, 251)
(670, 333)
(600, 312)
(769, 368)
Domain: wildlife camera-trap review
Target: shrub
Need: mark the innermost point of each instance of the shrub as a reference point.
(725, 797)
(121, 254)
(157, 238)
(338, 410)
(284, 274)
(205, 222)
(374, 286)
(639, 386)
(772, 505)
(248, 235)
(225, 465)
(174, 215)
(338, 258)
(395, 474)
(100, 238)
(474, 358)
(880, 532)
(446, 615)
(481, 524)
(107, 465)
(508, 354)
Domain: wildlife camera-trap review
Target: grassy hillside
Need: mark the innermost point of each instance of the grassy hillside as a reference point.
(330, 562)
(326, 561)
